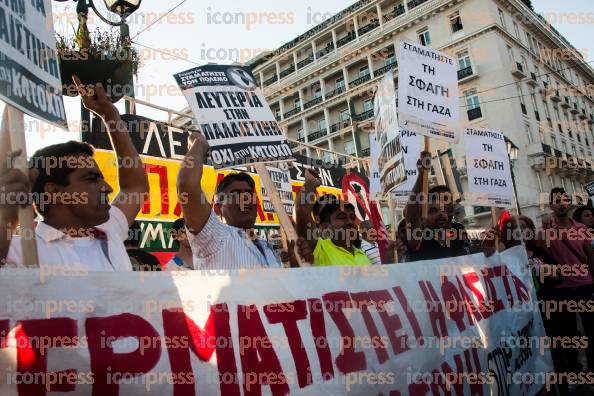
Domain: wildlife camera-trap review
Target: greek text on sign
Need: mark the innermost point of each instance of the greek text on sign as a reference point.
(233, 114)
(29, 67)
(411, 145)
(386, 156)
(313, 331)
(427, 92)
(282, 181)
(489, 172)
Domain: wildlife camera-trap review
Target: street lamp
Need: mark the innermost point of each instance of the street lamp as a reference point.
(121, 7)
(512, 153)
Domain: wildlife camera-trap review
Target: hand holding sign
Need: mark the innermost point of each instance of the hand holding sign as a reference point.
(95, 99)
(424, 162)
(312, 178)
(196, 138)
(12, 182)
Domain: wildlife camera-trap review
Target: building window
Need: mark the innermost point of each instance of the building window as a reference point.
(424, 37)
(349, 147)
(363, 71)
(277, 113)
(463, 60)
(529, 133)
(317, 92)
(322, 124)
(300, 134)
(473, 105)
(529, 38)
(368, 105)
(391, 59)
(510, 53)
(328, 157)
(345, 115)
(502, 18)
(296, 103)
(539, 181)
(517, 30)
(456, 22)
(340, 83)
(554, 141)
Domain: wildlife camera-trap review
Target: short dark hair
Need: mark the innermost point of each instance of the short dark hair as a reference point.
(332, 204)
(178, 226)
(555, 192)
(233, 177)
(435, 192)
(577, 214)
(42, 159)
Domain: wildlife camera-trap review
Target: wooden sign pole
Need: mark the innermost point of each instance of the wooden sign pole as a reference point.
(283, 217)
(425, 207)
(13, 123)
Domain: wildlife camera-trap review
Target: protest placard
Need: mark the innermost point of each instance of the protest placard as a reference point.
(232, 113)
(411, 145)
(29, 67)
(590, 190)
(489, 172)
(386, 156)
(427, 92)
(465, 324)
(281, 179)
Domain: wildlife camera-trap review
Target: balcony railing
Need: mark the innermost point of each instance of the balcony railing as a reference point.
(336, 91)
(360, 80)
(466, 72)
(384, 69)
(346, 39)
(363, 116)
(304, 62)
(312, 103)
(396, 12)
(475, 113)
(291, 113)
(317, 135)
(415, 3)
(547, 149)
(271, 80)
(557, 153)
(325, 51)
(301, 139)
(369, 27)
(366, 152)
(339, 125)
(287, 71)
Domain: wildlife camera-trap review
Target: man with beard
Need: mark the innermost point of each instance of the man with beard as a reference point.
(231, 243)
(80, 228)
(438, 235)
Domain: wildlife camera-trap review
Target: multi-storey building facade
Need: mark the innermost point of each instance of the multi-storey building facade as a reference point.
(516, 74)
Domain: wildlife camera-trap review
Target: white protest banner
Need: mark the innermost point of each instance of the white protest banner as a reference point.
(427, 92)
(282, 181)
(233, 114)
(458, 326)
(489, 172)
(386, 155)
(412, 145)
(29, 67)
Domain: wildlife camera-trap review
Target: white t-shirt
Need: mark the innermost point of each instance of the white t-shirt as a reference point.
(372, 251)
(221, 246)
(56, 249)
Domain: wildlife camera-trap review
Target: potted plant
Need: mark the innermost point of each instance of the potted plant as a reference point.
(101, 56)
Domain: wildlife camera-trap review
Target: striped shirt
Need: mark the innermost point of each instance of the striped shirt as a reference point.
(221, 246)
(371, 249)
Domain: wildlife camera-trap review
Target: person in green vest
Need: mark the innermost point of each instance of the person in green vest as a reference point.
(334, 241)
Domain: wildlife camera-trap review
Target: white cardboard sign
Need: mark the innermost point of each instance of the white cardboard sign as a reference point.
(428, 101)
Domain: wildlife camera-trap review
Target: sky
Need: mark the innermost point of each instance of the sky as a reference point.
(227, 31)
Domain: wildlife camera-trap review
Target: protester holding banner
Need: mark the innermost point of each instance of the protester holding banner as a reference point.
(80, 228)
(334, 242)
(438, 235)
(216, 245)
(182, 261)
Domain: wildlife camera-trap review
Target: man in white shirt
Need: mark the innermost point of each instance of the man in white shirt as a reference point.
(217, 245)
(80, 228)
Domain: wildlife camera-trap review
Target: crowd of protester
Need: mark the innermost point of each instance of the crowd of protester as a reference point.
(94, 234)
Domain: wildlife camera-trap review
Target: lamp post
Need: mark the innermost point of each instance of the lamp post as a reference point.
(512, 153)
(123, 8)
